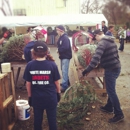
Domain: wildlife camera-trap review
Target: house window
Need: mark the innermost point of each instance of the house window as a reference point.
(19, 12)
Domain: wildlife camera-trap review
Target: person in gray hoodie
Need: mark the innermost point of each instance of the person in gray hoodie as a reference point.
(107, 55)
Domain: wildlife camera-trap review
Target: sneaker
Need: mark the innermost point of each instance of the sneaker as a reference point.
(116, 119)
(104, 109)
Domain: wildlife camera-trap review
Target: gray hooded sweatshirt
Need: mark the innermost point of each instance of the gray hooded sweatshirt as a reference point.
(106, 54)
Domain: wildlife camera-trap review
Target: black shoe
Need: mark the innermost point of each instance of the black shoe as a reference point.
(104, 109)
(116, 119)
(68, 83)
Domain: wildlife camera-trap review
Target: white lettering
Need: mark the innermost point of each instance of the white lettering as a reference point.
(46, 82)
(40, 82)
(40, 72)
(34, 82)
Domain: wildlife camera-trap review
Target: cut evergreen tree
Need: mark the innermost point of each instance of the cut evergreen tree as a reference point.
(12, 50)
(85, 54)
(75, 105)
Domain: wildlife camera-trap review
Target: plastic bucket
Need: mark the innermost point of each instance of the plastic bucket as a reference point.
(23, 109)
(6, 67)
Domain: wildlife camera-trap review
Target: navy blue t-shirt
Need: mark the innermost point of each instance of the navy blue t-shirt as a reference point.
(42, 75)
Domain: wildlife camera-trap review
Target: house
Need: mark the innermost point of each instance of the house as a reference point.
(45, 7)
(49, 13)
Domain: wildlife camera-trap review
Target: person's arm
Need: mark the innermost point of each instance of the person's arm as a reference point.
(125, 34)
(57, 83)
(56, 77)
(95, 59)
(2, 40)
(27, 77)
(90, 39)
(26, 55)
(28, 86)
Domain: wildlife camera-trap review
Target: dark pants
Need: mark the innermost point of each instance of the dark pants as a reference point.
(38, 118)
(127, 39)
(113, 101)
(52, 39)
(121, 48)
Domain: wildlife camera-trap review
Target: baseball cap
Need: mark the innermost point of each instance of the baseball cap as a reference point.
(97, 31)
(40, 46)
(60, 28)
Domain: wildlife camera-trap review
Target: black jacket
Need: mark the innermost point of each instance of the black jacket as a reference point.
(64, 47)
(104, 29)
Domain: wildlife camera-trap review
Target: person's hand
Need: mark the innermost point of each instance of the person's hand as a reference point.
(85, 72)
(30, 101)
(23, 57)
(58, 97)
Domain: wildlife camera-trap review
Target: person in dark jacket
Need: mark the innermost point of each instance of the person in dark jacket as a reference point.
(110, 30)
(104, 27)
(122, 37)
(27, 49)
(65, 54)
(107, 55)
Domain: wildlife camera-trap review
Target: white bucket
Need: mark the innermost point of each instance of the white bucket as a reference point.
(23, 109)
(6, 67)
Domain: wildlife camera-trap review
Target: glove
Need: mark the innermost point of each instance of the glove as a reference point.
(6, 34)
(58, 97)
(30, 101)
(84, 72)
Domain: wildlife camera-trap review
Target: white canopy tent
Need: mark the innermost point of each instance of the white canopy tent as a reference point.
(65, 19)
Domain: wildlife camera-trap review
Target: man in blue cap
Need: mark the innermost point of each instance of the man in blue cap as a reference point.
(65, 54)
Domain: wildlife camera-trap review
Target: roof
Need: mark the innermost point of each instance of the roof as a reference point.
(65, 19)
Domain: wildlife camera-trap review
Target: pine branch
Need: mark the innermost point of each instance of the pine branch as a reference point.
(75, 105)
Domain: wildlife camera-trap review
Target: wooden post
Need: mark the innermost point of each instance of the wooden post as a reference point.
(7, 98)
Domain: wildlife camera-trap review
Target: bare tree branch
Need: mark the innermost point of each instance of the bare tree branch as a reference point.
(91, 6)
(115, 12)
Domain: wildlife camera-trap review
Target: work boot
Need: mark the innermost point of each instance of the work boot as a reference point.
(104, 109)
(116, 119)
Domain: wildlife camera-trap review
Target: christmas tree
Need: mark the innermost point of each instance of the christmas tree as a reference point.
(12, 50)
(75, 105)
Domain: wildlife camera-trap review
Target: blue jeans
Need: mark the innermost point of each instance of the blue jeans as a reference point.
(121, 44)
(65, 70)
(38, 118)
(113, 101)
